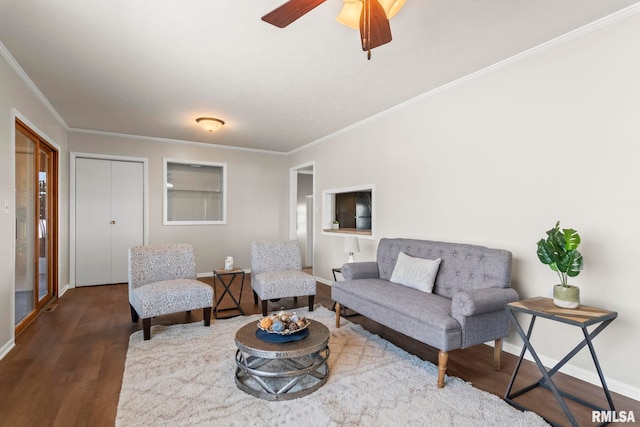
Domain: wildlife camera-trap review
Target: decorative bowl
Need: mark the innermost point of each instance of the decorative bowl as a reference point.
(283, 323)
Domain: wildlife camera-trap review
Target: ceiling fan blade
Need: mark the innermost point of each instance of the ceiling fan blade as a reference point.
(374, 25)
(290, 11)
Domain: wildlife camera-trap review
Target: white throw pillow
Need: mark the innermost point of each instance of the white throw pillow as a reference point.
(417, 273)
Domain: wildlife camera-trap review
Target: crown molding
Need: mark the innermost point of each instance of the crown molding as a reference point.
(174, 141)
(565, 38)
(4, 52)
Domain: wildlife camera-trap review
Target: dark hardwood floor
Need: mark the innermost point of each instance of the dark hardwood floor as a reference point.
(66, 368)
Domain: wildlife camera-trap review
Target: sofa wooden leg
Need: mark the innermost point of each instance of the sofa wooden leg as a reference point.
(146, 328)
(264, 307)
(497, 354)
(337, 314)
(134, 314)
(206, 312)
(443, 357)
(255, 297)
(311, 299)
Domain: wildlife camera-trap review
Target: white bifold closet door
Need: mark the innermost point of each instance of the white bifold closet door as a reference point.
(109, 210)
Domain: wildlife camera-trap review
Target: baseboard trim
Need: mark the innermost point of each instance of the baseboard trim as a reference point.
(64, 289)
(209, 274)
(323, 281)
(7, 348)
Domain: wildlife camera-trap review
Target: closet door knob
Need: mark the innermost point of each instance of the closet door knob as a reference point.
(113, 222)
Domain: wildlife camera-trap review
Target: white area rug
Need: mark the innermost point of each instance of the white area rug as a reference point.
(185, 376)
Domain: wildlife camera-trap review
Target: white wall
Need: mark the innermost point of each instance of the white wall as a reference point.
(17, 99)
(257, 195)
(497, 159)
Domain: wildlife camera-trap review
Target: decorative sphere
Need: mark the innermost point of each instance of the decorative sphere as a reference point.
(266, 323)
(277, 326)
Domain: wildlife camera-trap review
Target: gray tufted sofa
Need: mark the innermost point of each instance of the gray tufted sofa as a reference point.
(466, 308)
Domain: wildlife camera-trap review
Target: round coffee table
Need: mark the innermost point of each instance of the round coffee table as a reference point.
(282, 371)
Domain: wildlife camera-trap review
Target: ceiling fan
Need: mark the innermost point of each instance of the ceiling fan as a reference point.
(370, 16)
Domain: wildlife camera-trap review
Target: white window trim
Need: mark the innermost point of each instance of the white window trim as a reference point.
(165, 220)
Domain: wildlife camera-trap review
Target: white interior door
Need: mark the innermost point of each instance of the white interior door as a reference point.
(109, 218)
(127, 215)
(93, 221)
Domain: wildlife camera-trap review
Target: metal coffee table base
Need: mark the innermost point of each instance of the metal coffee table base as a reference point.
(281, 379)
(282, 371)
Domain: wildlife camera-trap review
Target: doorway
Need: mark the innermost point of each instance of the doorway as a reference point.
(36, 204)
(302, 210)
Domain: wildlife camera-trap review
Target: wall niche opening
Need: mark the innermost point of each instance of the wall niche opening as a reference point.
(349, 210)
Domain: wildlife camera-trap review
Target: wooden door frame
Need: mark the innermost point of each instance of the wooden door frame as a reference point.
(72, 201)
(26, 128)
(52, 243)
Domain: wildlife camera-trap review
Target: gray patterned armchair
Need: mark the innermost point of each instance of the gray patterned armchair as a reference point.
(162, 280)
(276, 272)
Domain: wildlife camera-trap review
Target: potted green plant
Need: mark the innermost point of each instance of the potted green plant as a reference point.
(560, 252)
(335, 225)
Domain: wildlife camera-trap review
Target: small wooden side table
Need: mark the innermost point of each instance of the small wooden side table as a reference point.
(226, 278)
(582, 317)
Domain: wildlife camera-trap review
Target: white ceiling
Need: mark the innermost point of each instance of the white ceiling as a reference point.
(151, 67)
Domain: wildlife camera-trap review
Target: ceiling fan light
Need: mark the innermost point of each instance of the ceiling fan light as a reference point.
(352, 9)
(391, 7)
(210, 123)
(350, 14)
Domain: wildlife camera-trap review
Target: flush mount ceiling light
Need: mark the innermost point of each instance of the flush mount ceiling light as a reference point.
(370, 16)
(209, 123)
